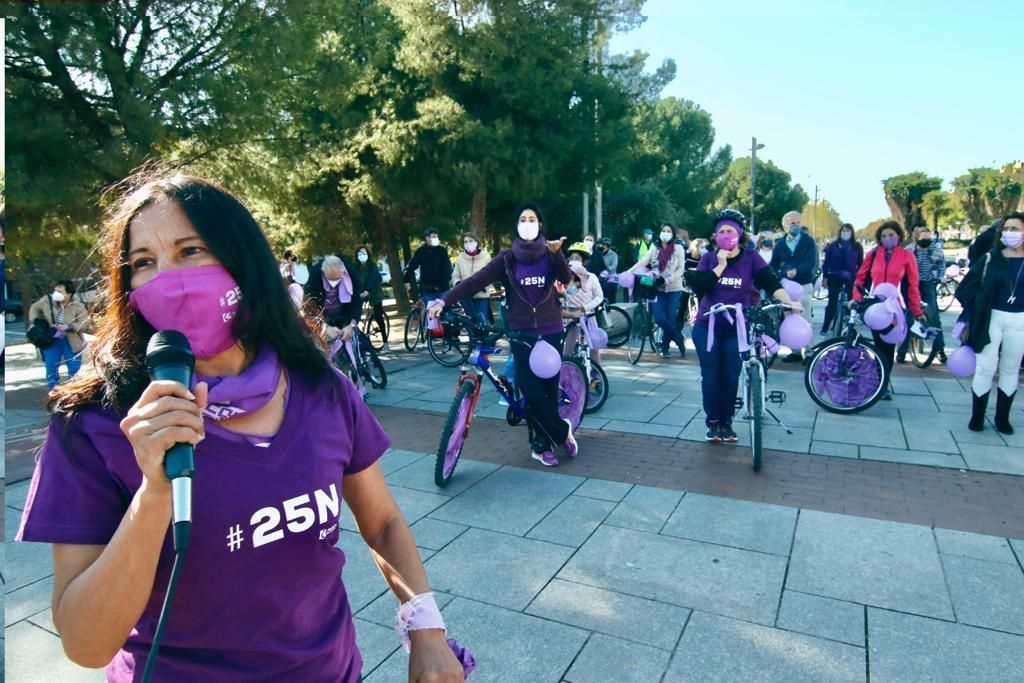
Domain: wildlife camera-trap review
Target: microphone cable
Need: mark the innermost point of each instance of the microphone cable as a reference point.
(165, 611)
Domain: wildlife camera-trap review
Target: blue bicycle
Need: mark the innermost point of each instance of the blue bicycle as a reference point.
(572, 392)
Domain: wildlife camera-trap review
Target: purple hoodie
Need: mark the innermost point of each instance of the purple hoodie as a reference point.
(528, 272)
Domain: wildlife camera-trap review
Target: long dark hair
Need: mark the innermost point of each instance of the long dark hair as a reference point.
(532, 207)
(117, 374)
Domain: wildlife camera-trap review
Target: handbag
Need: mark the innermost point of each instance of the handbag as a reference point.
(41, 333)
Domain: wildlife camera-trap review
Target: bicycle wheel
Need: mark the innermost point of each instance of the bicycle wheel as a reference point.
(373, 367)
(597, 388)
(572, 393)
(618, 326)
(945, 293)
(755, 403)
(923, 351)
(377, 335)
(453, 348)
(342, 361)
(413, 323)
(691, 315)
(456, 429)
(845, 379)
(638, 334)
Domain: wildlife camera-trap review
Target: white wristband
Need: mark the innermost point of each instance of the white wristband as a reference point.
(419, 613)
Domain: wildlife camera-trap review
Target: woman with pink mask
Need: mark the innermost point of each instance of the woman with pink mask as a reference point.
(732, 274)
(280, 439)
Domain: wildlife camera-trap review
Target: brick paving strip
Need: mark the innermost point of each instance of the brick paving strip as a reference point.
(917, 494)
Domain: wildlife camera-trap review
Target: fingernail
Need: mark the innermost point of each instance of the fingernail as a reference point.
(191, 396)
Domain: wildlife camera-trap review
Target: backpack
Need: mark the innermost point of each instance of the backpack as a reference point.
(41, 334)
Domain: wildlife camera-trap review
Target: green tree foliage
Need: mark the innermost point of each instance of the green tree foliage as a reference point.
(969, 191)
(775, 193)
(905, 193)
(938, 207)
(823, 220)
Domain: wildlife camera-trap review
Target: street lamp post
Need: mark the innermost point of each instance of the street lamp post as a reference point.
(753, 168)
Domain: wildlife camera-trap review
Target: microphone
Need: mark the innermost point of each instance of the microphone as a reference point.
(169, 357)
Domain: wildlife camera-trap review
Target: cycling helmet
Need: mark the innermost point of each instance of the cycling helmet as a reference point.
(731, 215)
(580, 247)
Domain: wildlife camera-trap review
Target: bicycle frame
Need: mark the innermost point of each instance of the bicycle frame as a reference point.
(352, 350)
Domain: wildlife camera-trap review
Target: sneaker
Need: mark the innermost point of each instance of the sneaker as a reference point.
(795, 357)
(727, 433)
(571, 447)
(666, 354)
(886, 395)
(547, 458)
(713, 435)
(901, 359)
(502, 402)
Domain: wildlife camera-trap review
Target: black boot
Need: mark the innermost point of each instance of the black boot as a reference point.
(978, 406)
(1003, 403)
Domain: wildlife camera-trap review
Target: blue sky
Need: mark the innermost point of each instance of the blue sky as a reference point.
(845, 93)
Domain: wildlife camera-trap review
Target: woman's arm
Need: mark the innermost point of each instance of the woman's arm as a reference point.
(492, 272)
(393, 547)
(862, 277)
(100, 592)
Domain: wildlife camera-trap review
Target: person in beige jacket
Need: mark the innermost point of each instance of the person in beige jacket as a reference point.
(472, 258)
(668, 261)
(69, 320)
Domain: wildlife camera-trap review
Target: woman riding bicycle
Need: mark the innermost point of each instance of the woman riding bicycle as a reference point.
(731, 275)
(992, 295)
(334, 291)
(528, 272)
(471, 260)
(668, 260)
(582, 296)
(370, 288)
(843, 257)
(889, 262)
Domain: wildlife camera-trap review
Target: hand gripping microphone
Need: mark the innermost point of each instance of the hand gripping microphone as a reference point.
(169, 357)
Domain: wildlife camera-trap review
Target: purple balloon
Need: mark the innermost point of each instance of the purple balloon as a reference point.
(886, 290)
(795, 290)
(795, 332)
(953, 271)
(878, 316)
(598, 338)
(627, 280)
(545, 361)
(897, 334)
(961, 362)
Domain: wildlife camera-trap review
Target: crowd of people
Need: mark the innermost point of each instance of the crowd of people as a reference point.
(183, 252)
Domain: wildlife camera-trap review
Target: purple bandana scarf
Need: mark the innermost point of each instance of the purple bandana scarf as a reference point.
(236, 395)
(741, 329)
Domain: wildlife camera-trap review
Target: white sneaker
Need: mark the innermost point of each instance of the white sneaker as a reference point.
(502, 402)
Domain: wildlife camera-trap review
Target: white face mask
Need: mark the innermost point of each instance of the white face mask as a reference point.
(529, 231)
(58, 296)
(433, 241)
(589, 243)
(362, 257)
(470, 246)
(334, 283)
(846, 235)
(666, 236)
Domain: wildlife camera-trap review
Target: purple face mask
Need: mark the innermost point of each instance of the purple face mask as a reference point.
(199, 302)
(890, 242)
(1012, 239)
(727, 240)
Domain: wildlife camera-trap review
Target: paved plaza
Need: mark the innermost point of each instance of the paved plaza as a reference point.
(588, 572)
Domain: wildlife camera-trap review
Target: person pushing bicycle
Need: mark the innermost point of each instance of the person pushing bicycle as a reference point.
(732, 274)
(529, 272)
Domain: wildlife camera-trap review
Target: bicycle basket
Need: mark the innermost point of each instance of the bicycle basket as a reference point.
(647, 286)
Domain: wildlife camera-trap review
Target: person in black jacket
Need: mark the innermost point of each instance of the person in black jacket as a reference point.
(333, 289)
(984, 242)
(796, 258)
(370, 288)
(435, 268)
(992, 295)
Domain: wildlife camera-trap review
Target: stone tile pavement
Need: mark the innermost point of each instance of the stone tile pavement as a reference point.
(555, 577)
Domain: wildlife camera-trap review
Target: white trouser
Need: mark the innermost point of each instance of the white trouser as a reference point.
(1005, 348)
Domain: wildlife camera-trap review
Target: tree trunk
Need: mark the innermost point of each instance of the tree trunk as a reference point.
(385, 238)
(478, 214)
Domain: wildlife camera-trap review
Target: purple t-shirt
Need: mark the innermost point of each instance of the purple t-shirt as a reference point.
(535, 281)
(260, 595)
(735, 286)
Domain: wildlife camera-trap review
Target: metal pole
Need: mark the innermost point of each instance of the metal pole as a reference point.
(586, 212)
(814, 216)
(598, 209)
(753, 167)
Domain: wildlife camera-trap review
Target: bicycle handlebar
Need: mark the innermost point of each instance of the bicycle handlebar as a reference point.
(719, 308)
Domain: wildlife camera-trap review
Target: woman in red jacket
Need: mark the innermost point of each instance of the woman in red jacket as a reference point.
(889, 262)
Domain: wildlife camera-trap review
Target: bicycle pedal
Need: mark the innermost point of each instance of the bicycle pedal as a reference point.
(777, 396)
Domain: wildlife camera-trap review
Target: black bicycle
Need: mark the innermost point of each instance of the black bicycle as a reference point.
(846, 374)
